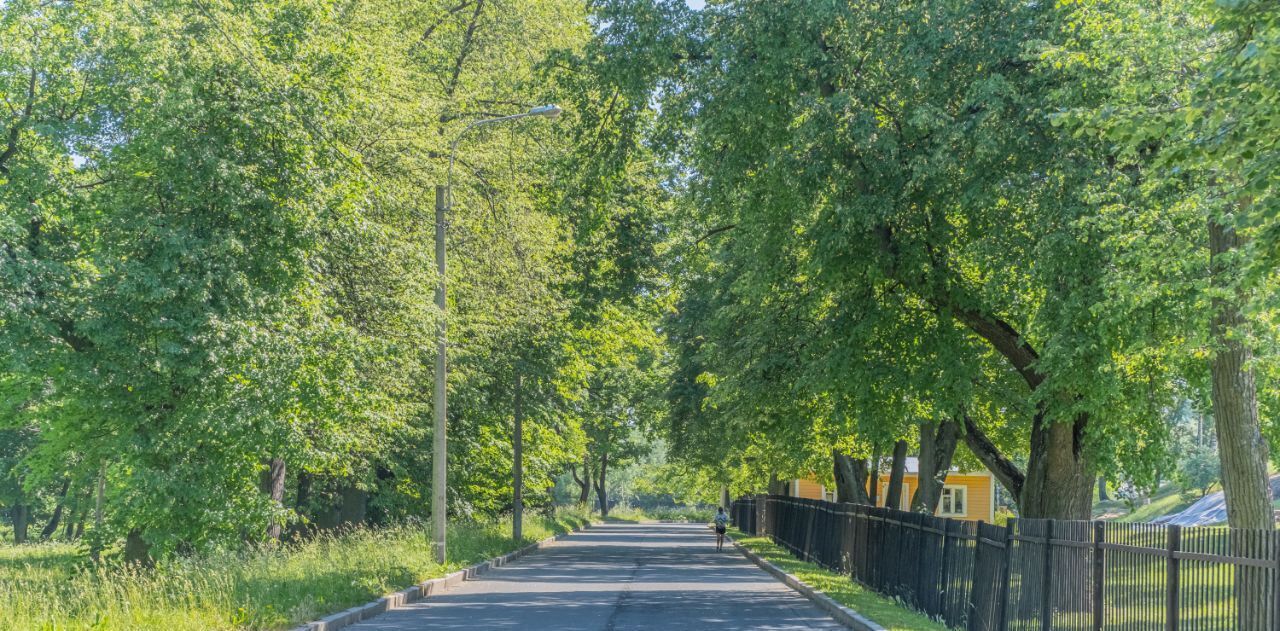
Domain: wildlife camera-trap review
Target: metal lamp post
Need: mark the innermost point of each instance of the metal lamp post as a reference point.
(439, 469)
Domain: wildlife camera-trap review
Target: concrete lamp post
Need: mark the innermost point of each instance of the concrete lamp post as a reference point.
(439, 469)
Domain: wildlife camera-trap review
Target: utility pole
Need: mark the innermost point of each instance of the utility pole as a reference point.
(440, 448)
(517, 464)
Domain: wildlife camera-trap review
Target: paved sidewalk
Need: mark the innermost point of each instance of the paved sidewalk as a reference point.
(617, 577)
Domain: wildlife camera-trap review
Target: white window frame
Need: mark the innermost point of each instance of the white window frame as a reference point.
(904, 501)
(956, 489)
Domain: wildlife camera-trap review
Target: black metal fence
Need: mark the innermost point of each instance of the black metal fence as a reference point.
(1035, 574)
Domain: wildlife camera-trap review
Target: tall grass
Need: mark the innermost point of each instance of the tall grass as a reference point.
(51, 587)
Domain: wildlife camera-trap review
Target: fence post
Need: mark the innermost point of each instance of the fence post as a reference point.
(1099, 573)
(946, 553)
(810, 524)
(1046, 604)
(1275, 581)
(759, 524)
(1005, 574)
(1172, 579)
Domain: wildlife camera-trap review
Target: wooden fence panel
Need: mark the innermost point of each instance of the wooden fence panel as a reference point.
(988, 590)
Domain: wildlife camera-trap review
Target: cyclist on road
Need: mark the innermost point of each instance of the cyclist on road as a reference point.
(722, 522)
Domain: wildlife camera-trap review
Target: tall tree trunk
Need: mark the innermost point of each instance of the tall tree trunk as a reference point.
(584, 482)
(52, 526)
(302, 506)
(98, 500)
(601, 485)
(69, 530)
(893, 497)
(355, 503)
(873, 479)
(1060, 477)
(1241, 448)
(21, 516)
(136, 549)
(303, 498)
(1102, 490)
(850, 475)
(273, 486)
(937, 447)
(1059, 480)
(1242, 451)
(776, 485)
(95, 546)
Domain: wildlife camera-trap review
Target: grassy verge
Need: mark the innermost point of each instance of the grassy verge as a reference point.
(52, 587)
(1167, 500)
(887, 612)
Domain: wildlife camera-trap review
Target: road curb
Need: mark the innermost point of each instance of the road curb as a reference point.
(425, 589)
(841, 613)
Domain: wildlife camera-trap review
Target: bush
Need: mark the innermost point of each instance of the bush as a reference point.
(1003, 515)
(692, 514)
(1198, 469)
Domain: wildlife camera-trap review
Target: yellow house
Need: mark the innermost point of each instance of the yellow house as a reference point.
(965, 495)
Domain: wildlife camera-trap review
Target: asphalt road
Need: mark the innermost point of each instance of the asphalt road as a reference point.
(617, 577)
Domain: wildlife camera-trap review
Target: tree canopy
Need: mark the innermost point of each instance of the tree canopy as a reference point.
(777, 238)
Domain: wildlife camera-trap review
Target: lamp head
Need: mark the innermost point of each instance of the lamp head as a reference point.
(549, 111)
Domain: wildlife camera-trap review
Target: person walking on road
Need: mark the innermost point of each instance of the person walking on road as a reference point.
(722, 523)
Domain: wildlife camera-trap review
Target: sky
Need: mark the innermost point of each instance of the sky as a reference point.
(696, 4)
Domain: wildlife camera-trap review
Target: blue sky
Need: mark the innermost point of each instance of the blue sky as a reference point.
(696, 4)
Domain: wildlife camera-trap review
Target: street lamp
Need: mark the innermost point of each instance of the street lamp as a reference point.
(439, 470)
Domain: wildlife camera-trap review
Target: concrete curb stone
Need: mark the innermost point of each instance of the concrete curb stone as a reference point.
(841, 613)
(399, 599)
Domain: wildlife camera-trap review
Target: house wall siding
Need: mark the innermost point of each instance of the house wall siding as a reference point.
(980, 494)
(809, 489)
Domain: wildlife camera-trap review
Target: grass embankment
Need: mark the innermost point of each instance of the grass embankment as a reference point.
(51, 586)
(1167, 500)
(888, 612)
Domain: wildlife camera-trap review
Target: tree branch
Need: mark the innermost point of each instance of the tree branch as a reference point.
(467, 38)
(715, 232)
(1000, 334)
(426, 34)
(1005, 471)
(1006, 340)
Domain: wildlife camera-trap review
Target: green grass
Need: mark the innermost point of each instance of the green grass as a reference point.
(1166, 500)
(51, 586)
(690, 514)
(890, 613)
(1163, 503)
